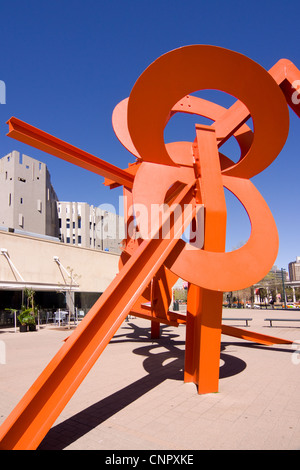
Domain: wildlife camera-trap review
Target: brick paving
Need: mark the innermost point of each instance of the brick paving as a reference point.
(134, 398)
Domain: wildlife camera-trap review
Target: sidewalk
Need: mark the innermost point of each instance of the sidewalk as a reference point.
(134, 398)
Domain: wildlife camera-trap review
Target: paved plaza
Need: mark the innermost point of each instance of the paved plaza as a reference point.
(134, 398)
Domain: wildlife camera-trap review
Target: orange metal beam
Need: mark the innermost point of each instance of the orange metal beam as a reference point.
(285, 73)
(253, 336)
(204, 315)
(171, 318)
(39, 139)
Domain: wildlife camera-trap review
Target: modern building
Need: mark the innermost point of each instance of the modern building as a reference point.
(294, 270)
(90, 227)
(27, 198)
(62, 276)
(29, 204)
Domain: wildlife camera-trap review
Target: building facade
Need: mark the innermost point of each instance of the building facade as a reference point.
(27, 198)
(61, 275)
(294, 270)
(29, 204)
(89, 227)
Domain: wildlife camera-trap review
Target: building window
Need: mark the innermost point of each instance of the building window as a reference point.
(79, 221)
(79, 239)
(21, 200)
(9, 199)
(39, 205)
(6, 175)
(67, 223)
(68, 239)
(21, 220)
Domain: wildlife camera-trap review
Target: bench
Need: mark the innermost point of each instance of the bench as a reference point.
(281, 319)
(239, 319)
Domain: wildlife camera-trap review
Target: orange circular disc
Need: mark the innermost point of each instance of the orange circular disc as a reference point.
(192, 68)
(162, 90)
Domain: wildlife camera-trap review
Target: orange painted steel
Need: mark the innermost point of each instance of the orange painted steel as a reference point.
(30, 135)
(202, 361)
(253, 336)
(189, 175)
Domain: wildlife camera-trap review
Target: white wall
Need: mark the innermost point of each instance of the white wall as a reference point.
(33, 258)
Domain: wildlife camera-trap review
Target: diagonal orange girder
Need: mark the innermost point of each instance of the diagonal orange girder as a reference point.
(253, 336)
(39, 139)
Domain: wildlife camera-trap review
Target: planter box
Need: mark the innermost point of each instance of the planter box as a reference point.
(23, 328)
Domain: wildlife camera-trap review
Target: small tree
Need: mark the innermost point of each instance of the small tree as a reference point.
(30, 309)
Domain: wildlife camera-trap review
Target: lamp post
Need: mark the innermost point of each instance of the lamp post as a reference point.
(283, 287)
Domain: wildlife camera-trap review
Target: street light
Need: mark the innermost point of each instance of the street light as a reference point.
(283, 287)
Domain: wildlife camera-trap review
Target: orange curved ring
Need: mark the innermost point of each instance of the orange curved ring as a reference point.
(240, 268)
(212, 270)
(208, 67)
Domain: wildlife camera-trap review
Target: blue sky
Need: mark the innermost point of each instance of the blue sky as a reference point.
(67, 64)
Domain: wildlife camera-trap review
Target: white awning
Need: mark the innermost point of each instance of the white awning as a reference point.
(37, 286)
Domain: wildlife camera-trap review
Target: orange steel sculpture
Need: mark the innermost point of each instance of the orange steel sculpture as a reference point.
(189, 175)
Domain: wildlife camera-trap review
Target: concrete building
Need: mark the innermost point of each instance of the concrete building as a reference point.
(294, 270)
(90, 227)
(29, 204)
(27, 198)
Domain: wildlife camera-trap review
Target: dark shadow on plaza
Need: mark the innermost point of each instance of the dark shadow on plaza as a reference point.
(160, 366)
